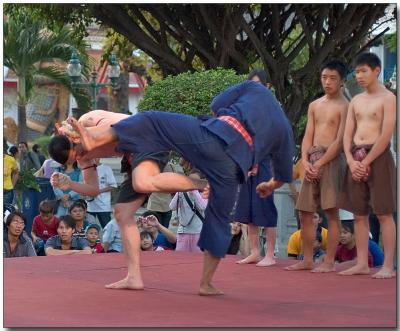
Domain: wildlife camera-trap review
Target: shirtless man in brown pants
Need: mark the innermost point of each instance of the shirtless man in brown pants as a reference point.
(371, 174)
(323, 164)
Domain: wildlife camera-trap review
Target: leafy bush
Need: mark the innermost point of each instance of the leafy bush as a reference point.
(188, 93)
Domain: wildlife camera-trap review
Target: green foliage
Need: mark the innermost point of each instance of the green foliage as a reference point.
(43, 143)
(391, 42)
(26, 181)
(188, 93)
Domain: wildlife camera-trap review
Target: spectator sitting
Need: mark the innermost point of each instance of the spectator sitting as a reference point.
(65, 243)
(161, 235)
(78, 214)
(93, 237)
(347, 251)
(147, 242)
(239, 242)
(44, 226)
(318, 253)
(10, 175)
(112, 241)
(16, 243)
(88, 217)
(294, 247)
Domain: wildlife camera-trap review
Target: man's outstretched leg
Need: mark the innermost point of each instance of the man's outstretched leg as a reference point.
(124, 214)
(210, 264)
(147, 178)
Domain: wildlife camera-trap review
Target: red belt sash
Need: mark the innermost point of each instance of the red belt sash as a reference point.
(237, 126)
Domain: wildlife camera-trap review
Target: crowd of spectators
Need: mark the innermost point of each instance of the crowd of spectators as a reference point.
(73, 224)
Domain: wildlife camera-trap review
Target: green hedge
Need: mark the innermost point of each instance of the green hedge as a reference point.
(188, 93)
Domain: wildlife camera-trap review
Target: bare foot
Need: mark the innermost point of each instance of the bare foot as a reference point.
(300, 266)
(384, 273)
(324, 267)
(209, 289)
(266, 262)
(126, 283)
(252, 258)
(356, 270)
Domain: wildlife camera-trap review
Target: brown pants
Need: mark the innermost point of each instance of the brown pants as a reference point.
(378, 192)
(325, 193)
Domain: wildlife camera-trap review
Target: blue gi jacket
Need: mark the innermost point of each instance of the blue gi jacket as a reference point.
(257, 109)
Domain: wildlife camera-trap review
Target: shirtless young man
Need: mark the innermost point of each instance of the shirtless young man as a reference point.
(322, 162)
(248, 125)
(371, 175)
(128, 201)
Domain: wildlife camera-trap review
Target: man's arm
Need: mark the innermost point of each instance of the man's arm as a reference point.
(336, 146)
(388, 125)
(307, 143)
(356, 168)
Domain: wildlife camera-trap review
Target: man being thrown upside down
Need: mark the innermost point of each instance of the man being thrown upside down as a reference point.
(248, 124)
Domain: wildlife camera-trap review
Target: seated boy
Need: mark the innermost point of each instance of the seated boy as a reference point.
(92, 233)
(44, 226)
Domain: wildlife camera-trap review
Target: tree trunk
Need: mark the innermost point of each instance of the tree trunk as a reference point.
(21, 99)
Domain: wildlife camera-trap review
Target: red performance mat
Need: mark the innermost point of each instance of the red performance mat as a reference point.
(68, 291)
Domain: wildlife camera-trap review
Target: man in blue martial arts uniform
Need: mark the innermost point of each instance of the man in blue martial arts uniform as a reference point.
(248, 124)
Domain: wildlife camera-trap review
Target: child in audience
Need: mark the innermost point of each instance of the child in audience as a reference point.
(162, 236)
(347, 250)
(65, 243)
(44, 226)
(93, 237)
(147, 242)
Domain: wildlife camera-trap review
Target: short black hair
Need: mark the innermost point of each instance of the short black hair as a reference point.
(145, 234)
(11, 216)
(77, 204)
(24, 143)
(370, 59)
(335, 65)
(13, 150)
(59, 148)
(35, 148)
(348, 226)
(46, 206)
(261, 74)
(68, 221)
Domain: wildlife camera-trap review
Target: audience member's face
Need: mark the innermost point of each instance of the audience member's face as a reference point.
(92, 235)
(316, 219)
(146, 243)
(22, 148)
(235, 227)
(346, 237)
(16, 226)
(256, 79)
(78, 214)
(46, 216)
(64, 231)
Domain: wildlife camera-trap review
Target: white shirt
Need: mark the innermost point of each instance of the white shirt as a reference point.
(112, 235)
(102, 202)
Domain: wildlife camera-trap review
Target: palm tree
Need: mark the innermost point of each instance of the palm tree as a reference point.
(28, 45)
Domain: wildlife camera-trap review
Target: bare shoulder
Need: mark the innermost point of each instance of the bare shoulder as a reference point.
(389, 96)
